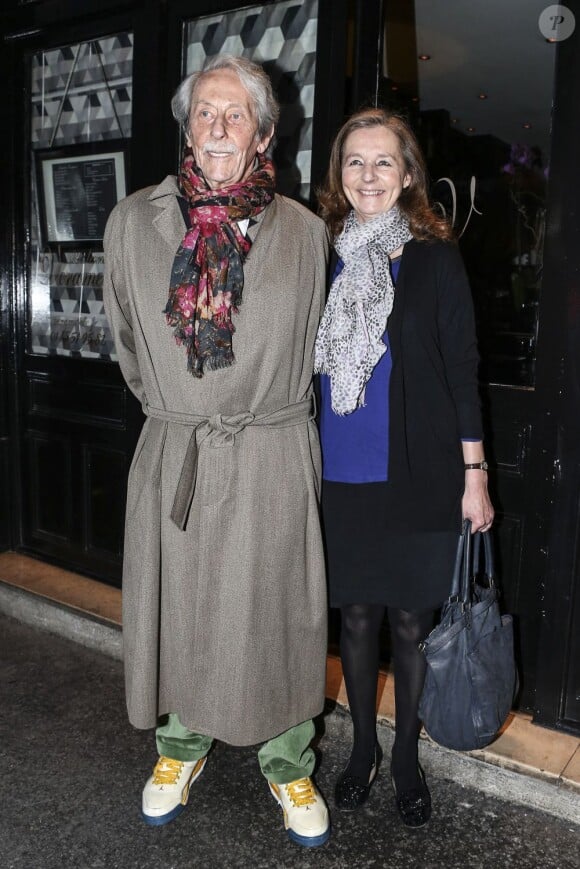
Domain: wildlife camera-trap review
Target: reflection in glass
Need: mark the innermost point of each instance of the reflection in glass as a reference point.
(83, 92)
(477, 87)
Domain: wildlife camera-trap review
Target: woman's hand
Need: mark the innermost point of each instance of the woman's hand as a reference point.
(475, 503)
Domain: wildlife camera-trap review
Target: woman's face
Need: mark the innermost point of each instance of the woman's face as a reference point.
(373, 171)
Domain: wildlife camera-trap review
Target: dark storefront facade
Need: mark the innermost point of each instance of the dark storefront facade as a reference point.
(493, 95)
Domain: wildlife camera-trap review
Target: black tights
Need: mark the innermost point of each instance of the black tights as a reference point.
(359, 650)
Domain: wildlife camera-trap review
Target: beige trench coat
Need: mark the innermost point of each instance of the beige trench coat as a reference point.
(224, 622)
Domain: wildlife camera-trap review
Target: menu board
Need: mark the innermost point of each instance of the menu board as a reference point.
(79, 194)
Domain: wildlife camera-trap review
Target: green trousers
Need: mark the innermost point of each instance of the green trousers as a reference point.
(283, 759)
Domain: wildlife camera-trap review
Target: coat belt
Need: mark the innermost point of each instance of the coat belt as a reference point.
(220, 429)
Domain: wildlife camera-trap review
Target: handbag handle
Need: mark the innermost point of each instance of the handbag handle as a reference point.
(489, 567)
(467, 562)
(460, 583)
(466, 568)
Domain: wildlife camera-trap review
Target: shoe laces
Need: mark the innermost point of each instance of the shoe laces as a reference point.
(167, 771)
(301, 792)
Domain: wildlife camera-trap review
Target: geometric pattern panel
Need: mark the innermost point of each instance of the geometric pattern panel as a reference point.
(282, 37)
(82, 92)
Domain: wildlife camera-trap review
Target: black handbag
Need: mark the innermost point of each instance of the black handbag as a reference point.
(471, 676)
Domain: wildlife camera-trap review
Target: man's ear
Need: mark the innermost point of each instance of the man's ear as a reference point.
(263, 145)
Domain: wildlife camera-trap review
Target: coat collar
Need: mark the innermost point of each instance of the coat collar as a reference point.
(169, 222)
(256, 223)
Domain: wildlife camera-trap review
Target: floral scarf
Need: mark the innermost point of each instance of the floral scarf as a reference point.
(350, 337)
(207, 276)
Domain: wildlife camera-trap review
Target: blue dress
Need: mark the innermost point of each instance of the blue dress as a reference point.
(355, 447)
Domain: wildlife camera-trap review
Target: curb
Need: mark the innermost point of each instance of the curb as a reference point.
(39, 612)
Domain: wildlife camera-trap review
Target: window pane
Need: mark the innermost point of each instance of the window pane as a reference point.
(477, 86)
(81, 102)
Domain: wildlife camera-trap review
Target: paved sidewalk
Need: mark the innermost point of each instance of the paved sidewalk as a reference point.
(72, 770)
(531, 765)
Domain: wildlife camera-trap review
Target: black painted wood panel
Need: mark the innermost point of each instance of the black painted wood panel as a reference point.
(80, 433)
(510, 446)
(557, 698)
(5, 500)
(570, 713)
(519, 447)
(50, 467)
(89, 401)
(5, 442)
(104, 492)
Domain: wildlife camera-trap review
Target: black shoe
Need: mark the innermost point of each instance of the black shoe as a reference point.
(349, 794)
(414, 805)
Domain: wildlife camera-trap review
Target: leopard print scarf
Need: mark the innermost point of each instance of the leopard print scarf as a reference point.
(350, 337)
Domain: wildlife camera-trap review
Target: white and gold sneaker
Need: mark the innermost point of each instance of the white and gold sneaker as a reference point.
(305, 813)
(166, 792)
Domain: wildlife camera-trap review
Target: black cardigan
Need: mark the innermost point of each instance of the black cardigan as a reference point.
(433, 396)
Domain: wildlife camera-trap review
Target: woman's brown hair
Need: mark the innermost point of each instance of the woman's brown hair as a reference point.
(413, 202)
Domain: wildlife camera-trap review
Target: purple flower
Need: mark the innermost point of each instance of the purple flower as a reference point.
(521, 155)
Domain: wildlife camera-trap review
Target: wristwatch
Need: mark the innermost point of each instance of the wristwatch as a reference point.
(477, 466)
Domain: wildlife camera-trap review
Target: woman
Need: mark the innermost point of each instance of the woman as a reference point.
(403, 457)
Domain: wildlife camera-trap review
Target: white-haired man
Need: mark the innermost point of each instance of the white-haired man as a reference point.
(214, 290)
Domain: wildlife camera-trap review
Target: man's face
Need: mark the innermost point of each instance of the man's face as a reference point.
(223, 129)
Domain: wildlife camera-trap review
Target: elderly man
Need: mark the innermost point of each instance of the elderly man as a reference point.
(214, 290)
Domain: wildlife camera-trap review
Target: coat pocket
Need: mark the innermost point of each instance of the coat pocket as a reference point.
(214, 474)
(145, 468)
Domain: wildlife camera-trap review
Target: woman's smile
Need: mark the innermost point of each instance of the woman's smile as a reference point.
(373, 174)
